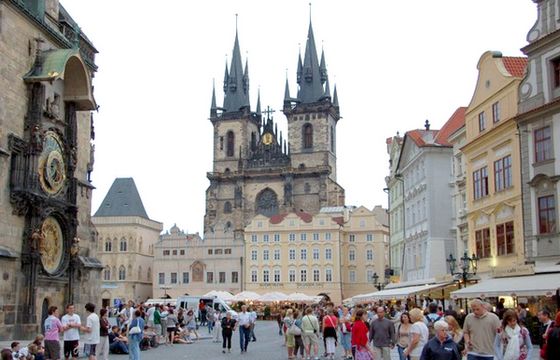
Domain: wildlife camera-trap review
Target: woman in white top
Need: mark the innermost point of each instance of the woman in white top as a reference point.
(418, 335)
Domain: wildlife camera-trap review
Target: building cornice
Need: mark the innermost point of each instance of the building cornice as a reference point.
(124, 221)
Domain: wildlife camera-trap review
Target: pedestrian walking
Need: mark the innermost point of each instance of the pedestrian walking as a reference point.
(403, 335)
(228, 326)
(171, 325)
(190, 322)
(345, 326)
(92, 338)
(210, 318)
(310, 333)
(330, 325)
(71, 337)
(253, 313)
(553, 340)
(290, 336)
(135, 336)
(53, 327)
(456, 332)
(418, 335)
(512, 342)
(299, 347)
(441, 346)
(360, 341)
(217, 326)
(382, 333)
(479, 330)
(104, 328)
(244, 326)
(546, 327)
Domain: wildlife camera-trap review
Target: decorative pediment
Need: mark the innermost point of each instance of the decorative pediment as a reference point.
(542, 180)
(504, 211)
(481, 219)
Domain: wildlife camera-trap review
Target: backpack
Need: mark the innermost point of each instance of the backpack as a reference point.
(430, 323)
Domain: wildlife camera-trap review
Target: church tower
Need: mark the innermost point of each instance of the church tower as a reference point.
(312, 114)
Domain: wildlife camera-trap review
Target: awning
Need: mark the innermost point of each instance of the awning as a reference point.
(532, 285)
(397, 293)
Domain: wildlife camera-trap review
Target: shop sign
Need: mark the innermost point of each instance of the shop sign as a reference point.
(519, 270)
(319, 285)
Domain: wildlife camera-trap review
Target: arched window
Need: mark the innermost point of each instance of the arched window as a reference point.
(107, 274)
(230, 143)
(122, 273)
(267, 202)
(227, 207)
(108, 245)
(123, 245)
(149, 274)
(253, 141)
(307, 136)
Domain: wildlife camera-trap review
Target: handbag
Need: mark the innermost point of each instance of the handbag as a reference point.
(135, 329)
(363, 354)
(294, 330)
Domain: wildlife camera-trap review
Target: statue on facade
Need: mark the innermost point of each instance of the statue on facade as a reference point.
(75, 248)
(37, 242)
(238, 196)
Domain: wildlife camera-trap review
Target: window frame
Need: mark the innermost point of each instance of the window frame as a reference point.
(543, 144)
(482, 243)
(546, 223)
(481, 121)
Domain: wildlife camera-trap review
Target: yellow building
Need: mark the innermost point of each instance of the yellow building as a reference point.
(334, 253)
(493, 165)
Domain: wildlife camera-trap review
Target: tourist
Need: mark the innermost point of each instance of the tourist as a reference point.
(441, 346)
(360, 347)
(382, 333)
(40, 353)
(279, 319)
(345, 326)
(18, 352)
(310, 333)
(190, 322)
(217, 326)
(299, 347)
(92, 331)
(244, 325)
(290, 336)
(135, 336)
(512, 342)
(553, 340)
(150, 314)
(171, 324)
(451, 312)
(202, 312)
(104, 327)
(546, 326)
(479, 330)
(403, 335)
(228, 326)
(521, 312)
(456, 332)
(418, 335)
(72, 324)
(330, 324)
(53, 327)
(253, 313)
(431, 319)
(157, 323)
(118, 344)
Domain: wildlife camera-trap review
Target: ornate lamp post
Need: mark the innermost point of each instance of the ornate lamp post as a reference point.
(376, 282)
(467, 267)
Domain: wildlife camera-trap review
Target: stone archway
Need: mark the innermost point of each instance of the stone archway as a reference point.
(44, 313)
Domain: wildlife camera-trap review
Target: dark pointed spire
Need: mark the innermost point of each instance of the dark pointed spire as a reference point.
(226, 78)
(287, 92)
(323, 67)
(213, 107)
(259, 103)
(299, 68)
(335, 97)
(311, 88)
(237, 90)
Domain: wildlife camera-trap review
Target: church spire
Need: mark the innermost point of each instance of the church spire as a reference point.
(259, 103)
(310, 84)
(286, 92)
(323, 67)
(237, 87)
(335, 97)
(213, 107)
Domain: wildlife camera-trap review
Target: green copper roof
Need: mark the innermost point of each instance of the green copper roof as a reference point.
(52, 65)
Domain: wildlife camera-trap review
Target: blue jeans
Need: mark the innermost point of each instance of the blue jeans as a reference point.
(476, 357)
(210, 326)
(244, 337)
(401, 353)
(118, 347)
(133, 348)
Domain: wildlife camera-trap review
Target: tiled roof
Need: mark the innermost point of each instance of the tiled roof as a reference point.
(418, 136)
(515, 65)
(339, 220)
(278, 218)
(455, 122)
(389, 141)
(122, 199)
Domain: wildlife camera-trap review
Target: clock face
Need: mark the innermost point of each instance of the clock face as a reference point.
(267, 139)
(52, 246)
(52, 168)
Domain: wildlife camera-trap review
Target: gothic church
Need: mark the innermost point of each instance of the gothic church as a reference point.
(256, 171)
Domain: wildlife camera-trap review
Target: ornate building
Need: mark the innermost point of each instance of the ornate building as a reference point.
(47, 246)
(126, 244)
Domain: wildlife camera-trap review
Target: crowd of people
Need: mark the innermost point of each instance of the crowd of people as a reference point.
(371, 332)
(363, 332)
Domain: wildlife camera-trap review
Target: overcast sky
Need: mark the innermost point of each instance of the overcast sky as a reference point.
(395, 64)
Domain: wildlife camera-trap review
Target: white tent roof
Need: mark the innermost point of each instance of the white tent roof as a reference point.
(224, 295)
(246, 296)
(532, 285)
(273, 296)
(300, 297)
(398, 293)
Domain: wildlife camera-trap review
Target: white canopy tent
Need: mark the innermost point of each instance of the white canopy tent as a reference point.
(246, 296)
(532, 285)
(300, 297)
(224, 295)
(395, 293)
(272, 297)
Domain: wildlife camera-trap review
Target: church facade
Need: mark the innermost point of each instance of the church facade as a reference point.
(47, 240)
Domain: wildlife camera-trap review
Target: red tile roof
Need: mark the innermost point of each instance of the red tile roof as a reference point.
(339, 220)
(453, 124)
(515, 65)
(389, 141)
(278, 218)
(418, 136)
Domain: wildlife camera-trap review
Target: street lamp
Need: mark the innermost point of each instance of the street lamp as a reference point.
(467, 267)
(376, 282)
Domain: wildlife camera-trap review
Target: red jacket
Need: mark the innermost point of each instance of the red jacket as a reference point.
(359, 333)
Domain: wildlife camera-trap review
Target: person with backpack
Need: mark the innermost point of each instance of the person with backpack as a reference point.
(382, 333)
(431, 319)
